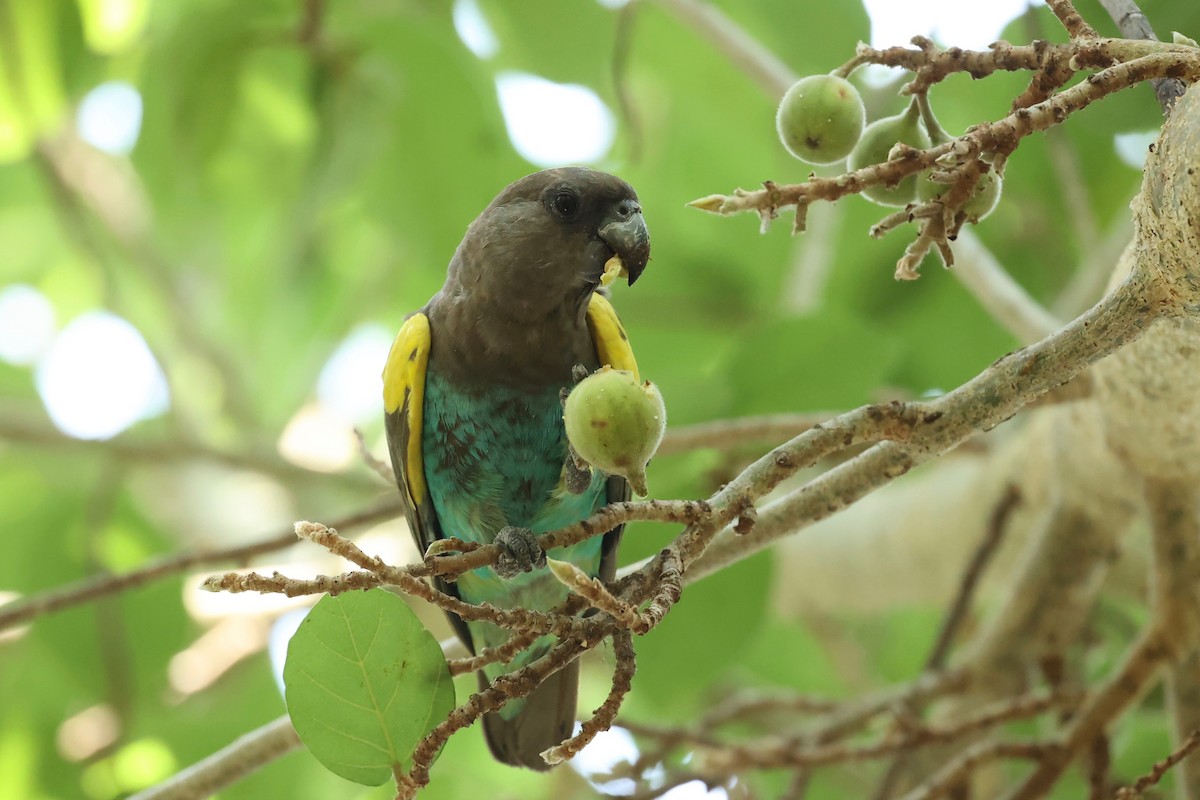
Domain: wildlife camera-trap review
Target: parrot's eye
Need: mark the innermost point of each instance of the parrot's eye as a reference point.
(565, 203)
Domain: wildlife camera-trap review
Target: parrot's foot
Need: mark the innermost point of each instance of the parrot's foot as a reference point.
(520, 552)
(577, 473)
(578, 373)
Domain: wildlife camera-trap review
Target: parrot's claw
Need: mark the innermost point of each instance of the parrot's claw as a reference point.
(578, 373)
(577, 473)
(519, 552)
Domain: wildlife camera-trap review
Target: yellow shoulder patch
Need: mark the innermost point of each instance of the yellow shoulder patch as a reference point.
(404, 393)
(612, 343)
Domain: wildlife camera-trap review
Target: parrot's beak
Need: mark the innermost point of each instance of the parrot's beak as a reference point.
(624, 231)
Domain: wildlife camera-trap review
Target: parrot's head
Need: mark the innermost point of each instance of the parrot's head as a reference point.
(549, 235)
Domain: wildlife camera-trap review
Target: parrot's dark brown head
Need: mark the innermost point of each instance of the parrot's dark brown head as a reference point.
(546, 238)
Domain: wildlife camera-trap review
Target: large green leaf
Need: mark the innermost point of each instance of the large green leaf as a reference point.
(364, 683)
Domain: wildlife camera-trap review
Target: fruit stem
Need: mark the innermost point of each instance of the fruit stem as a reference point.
(937, 134)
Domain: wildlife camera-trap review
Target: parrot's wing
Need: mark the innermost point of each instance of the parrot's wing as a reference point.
(403, 404)
(613, 350)
(404, 407)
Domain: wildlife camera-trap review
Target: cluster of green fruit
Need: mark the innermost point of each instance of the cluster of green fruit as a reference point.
(822, 120)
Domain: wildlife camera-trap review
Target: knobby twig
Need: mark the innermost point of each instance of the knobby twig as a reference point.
(603, 717)
(1161, 768)
(1076, 25)
(493, 655)
(939, 220)
(503, 689)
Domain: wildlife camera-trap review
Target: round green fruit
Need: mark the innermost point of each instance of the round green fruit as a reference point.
(982, 200)
(615, 423)
(820, 119)
(877, 141)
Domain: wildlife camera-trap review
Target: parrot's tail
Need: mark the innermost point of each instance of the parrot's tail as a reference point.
(547, 718)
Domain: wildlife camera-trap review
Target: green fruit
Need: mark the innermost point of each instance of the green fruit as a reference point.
(615, 423)
(877, 141)
(820, 119)
(982, 200)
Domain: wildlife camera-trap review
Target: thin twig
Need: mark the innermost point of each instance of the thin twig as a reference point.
(1001, 296)
(793, 752)
(1159, 769)
(997, 527)
(749, 703)
(1133, 24)
(115, 198)
(602, 717)
(503, 689)
(626, 107)
(73, 594)
(844, 719)
(739, 432)
(760, 64)
(516, 619)
(25, 429)
(1116, 694)
(1077, 201)
(1099, 762)
(374, 464)
(958, 770)
(797, 788)
(596, 594)
(683, 511)
(1001, 135)
(952, 623)
(500, 654)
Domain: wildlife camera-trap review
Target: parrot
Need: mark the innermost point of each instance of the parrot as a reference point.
(473, 389)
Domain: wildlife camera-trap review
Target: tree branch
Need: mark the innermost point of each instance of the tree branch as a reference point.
(229, 765)
(918, 432)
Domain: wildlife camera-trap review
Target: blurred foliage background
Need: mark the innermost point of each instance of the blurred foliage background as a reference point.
(297, 177)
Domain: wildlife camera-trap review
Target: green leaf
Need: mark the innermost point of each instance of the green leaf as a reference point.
(364, 683)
